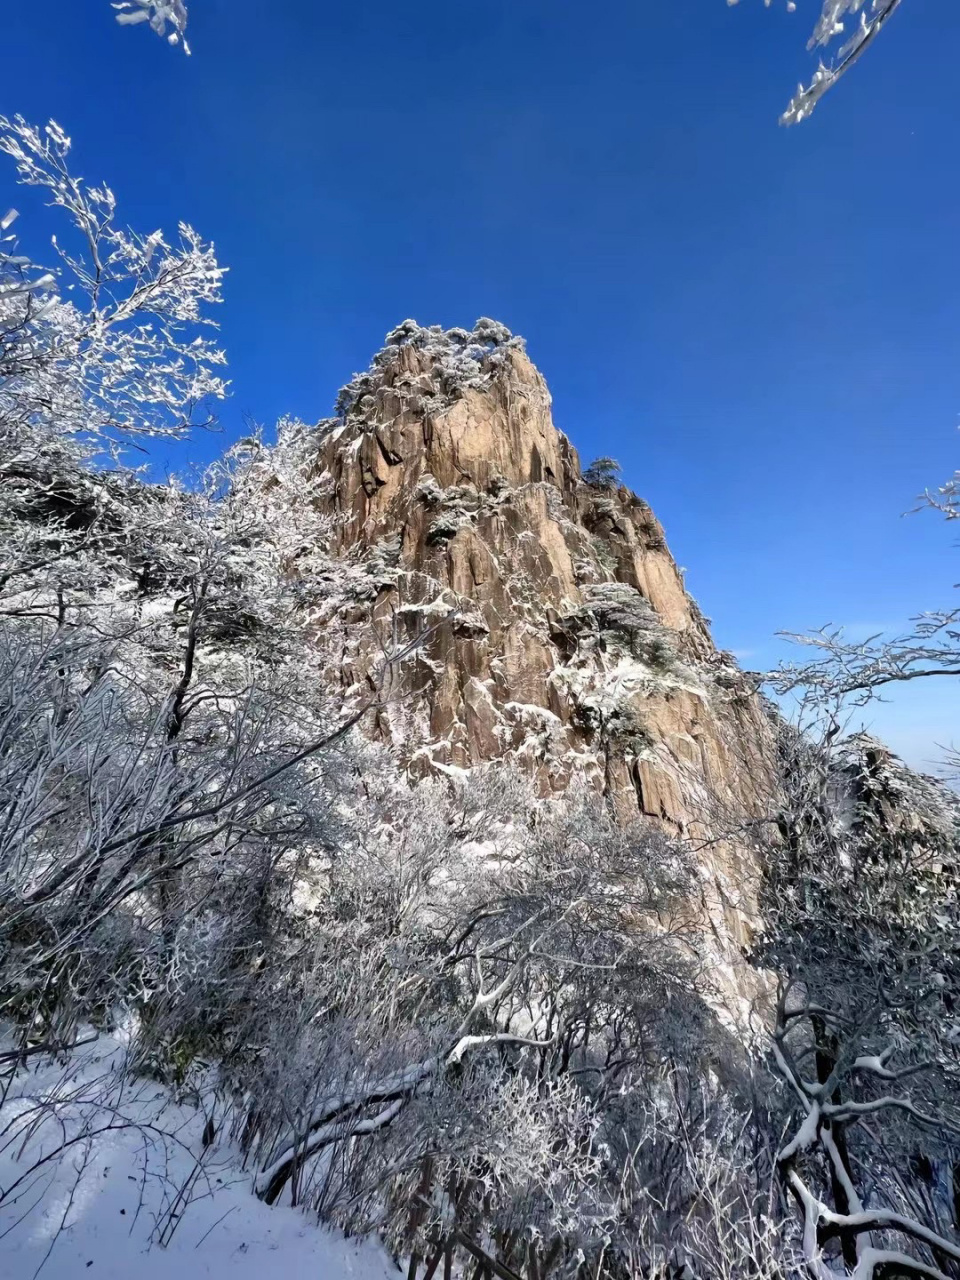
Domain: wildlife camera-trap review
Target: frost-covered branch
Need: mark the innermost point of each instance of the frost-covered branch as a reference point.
(861, 668)
(873, 15)
(159, 15)
(868, 18)
(110, 343)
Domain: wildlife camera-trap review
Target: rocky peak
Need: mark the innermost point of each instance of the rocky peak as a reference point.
(556, 628)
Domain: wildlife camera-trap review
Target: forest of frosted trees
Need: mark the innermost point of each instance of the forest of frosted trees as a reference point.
(482, 1027)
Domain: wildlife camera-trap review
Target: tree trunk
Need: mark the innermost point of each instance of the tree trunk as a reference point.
(826, 1061)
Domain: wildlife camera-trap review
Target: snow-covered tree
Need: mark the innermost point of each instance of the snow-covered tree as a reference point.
(602, 473)
(110, 342)
(862, 930)
(106, 346)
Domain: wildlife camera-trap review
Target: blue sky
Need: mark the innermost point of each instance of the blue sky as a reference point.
(762, 324)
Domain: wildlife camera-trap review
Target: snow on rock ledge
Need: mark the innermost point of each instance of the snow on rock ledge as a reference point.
(533, 588)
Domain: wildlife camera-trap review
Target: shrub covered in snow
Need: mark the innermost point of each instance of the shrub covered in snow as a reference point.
(448, 362)
(626, 620)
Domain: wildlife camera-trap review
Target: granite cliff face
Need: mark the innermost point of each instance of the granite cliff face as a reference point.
(556, 628)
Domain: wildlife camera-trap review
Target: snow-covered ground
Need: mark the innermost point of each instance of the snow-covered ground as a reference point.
(137, 1195)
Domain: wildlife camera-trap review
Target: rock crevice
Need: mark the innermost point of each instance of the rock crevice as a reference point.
(557, 629)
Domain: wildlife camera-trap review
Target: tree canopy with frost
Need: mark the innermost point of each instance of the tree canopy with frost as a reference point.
(110, 341)
(603, 473)
(861, 929)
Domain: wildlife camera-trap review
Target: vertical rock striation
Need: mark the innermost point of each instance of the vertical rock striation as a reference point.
(557, 631)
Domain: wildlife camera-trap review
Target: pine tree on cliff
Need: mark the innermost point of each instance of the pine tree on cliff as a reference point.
(603, 473)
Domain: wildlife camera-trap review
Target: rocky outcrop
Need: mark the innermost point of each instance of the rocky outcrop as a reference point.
(556, 629)
(897, 812)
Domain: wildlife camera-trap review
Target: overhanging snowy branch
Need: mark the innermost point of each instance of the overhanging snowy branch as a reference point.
(159, 15)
